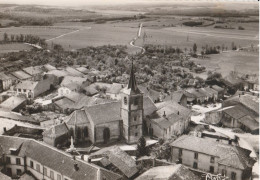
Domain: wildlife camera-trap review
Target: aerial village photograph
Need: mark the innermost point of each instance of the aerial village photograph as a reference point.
(129, 89)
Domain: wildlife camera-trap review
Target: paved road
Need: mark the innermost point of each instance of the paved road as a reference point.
(138, 36)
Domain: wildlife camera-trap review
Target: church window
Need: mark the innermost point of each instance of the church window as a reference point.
(136, 127)
(125, 100)
(136, 134)
(136, 101)
(135, 118)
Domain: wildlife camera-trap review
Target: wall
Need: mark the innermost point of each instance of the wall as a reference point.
(14, 166)
(213, 117)
(203, 160)
(114, 128)
(229, 170)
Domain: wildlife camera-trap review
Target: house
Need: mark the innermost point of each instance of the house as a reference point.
(48, 67)
(56, 135)
(14, 103)
(114, 91)
(170, 172)
(5, 82)
(25, 132)
(171, 119)
(112, 121)
(178, 97)
(213, 157)
(32, 89)
(115, 158)
(21, 75)
(199, 97)
(73, 72)
(220, 90)
(34, 71)
(46, 162)
(70, 84)
(82, 70)
(154, 95)
(213, 93)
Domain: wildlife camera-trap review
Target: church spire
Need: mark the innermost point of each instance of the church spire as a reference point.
(132, 81)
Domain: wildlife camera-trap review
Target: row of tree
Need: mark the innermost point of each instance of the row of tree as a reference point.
(21, 38)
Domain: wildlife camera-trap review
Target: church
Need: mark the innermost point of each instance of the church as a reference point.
(107, 122)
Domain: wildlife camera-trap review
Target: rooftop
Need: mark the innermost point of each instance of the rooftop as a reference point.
(12, 102)
(30, 85)
(178, 172)
(55, 159)
(21, 75)
(33, 70)
(229, 155)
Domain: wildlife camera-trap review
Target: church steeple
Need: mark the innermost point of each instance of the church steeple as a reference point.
(132, 81)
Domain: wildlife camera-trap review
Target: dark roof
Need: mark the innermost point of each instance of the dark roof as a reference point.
(149, 106)
(102, 113)
(249, 122)
(235, 112)
(49, 67)
(132, 85)
(64, 103)
(74, 72)
(154, 95)
(12, 102)
(175, 96)
(68, 80)
(210, 90)
(21, 75)
(124, 162)
(33, 70)
(178, 172)
(55, 159)
(196, 92)
(58, 73)
(229, 155)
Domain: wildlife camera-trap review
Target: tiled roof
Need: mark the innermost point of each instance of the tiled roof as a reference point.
(251, 102)
(83, 70)
(74, 72)
(149, 106)
(30, 85)
(3, 76)
(102, 113)
(154, 95)
(71, 79)
(124, 162)
(178, 172)
(12, 102)
(217, 88)
(33, 70)
(55, 159)
(21, 75)
(235, 112)
(4, 177)
(58, 73)
(210, 90)
(115, 88)
(49, 67)
(78, 117)
(249, 122)
(229, 155)
(175, 96)
(64, 103)
(170, 107)
(195, 92)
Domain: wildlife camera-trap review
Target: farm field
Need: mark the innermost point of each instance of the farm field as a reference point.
(14, 47)
(243, 62)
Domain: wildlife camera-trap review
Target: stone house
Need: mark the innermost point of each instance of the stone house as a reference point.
(22, 155)
(213, 157)
(5, 82)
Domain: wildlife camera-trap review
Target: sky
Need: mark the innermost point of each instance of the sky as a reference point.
(100, 2)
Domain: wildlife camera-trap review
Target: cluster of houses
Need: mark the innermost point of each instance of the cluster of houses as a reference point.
(101, 114)
(239, 111)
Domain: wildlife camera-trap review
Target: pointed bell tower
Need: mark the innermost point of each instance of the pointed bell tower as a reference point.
(132, 110)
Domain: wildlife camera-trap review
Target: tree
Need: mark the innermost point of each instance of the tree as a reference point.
(6, 38)
(141, 147)
(195, 48)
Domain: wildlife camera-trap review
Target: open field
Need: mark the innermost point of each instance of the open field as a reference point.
(14, 47)
(243, 62)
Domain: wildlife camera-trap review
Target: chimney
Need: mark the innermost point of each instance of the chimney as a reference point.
(164, 115)
(230, 141)
(76, 168)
